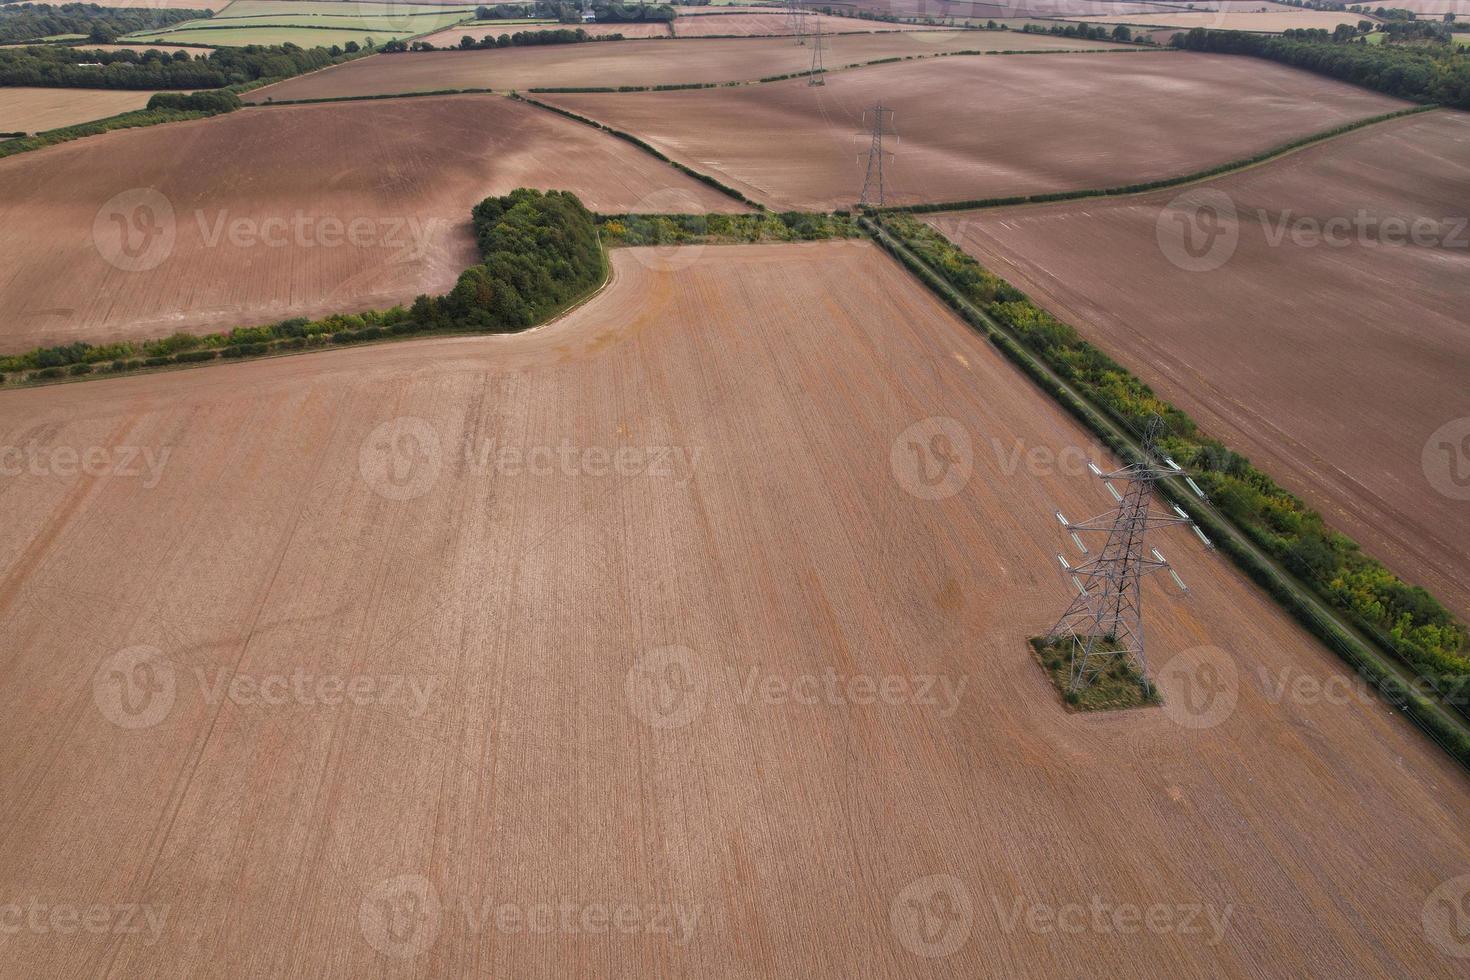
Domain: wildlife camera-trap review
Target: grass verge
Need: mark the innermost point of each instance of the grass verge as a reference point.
(1117, 687)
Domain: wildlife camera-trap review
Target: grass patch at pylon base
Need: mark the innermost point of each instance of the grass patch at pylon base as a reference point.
(1117, 687)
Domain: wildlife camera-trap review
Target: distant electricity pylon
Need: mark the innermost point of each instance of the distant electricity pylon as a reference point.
(796, 20)
(877, 128)
(818, 42)
(1109, 604)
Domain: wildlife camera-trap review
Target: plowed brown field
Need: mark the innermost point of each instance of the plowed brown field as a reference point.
(1331, 360)
(613, 63)
(449, 37)
(261, 205)
(611, 748)
(1044, 124)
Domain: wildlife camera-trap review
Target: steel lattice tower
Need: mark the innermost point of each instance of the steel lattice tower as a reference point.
(817, 72)
(796, 20)
(1109, 605)
(873, 179)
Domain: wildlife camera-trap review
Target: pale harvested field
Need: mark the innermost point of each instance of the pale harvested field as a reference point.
(408, 171)
(1461, 8)
(998, 9)
(1330, 366)
(1044, 124)
(270, 836)
(449, 37)
(613, 63)
(1230, 20)
(32, 110)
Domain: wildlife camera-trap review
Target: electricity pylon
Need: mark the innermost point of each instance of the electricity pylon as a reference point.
(818, 43)
(796, 20)
(876, 130)
(1106, 617)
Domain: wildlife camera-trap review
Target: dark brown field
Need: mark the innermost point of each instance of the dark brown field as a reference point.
(1331, 359)
(1044, 124)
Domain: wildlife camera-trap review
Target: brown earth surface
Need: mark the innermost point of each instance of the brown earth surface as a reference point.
(1330, 362)
(1273, 22)
(613, 63)
(403, 173)
(611, 689)
(774, 22)
(1000, 9)
(1033, 125)
(34, 110)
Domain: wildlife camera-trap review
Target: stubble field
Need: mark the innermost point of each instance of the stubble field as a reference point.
(295, 211)
(1066, 122)
(592, 663)
(1328, 355)
(33, 110)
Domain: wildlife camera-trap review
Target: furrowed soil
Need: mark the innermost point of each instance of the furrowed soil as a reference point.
(253, 213)
(1330, 358)
(613, 63)
(583, 687)
(1068, 122)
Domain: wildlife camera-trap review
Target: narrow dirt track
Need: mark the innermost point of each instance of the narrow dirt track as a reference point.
(604, 655)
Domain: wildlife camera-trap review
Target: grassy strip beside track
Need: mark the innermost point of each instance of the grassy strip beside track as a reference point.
(1387, 659)
(1245, 163)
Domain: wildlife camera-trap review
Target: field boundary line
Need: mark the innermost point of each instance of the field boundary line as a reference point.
(1378, 665)
(1131, 190)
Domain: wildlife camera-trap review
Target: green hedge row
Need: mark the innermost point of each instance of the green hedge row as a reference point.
(701, 229)
(1404, 619)
(1420, 709)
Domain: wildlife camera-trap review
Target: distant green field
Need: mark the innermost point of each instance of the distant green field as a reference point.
(305, 37)
(259, 8)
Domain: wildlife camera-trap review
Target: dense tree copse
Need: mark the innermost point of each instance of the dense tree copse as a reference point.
(29, 21)
(58, 67)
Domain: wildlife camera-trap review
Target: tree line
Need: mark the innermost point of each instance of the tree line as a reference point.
(50, 66)
(1420, 74)
(101, 25)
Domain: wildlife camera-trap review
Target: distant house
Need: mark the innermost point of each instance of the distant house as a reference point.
(588, 17)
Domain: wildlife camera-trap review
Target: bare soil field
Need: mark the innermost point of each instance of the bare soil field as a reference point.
(158, 4)
(610, 685)
(1046, 124)
(1000, 9)
(1330, 359)
(1460, 7)
(612, 63)
(245, 218)
(32, 110)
